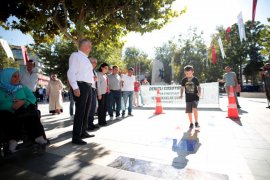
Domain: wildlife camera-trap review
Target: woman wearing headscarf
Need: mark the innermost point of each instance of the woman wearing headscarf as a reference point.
(54, 90)
(17, 109)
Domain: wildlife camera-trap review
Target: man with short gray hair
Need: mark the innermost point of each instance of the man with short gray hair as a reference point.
(81, 77)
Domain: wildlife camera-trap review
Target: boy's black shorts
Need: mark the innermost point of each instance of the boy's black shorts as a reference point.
(190, 105)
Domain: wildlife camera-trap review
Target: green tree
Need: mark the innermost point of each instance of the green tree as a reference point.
(101, 21)
(192, 51)
(165, 54)
(234, 51)
(55, 56)
(5, 61)
(253, 50)
(264, 41)
(244, 57)
(137, 59)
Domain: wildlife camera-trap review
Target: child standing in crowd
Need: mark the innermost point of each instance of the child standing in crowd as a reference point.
(136, 93)
(192, 89)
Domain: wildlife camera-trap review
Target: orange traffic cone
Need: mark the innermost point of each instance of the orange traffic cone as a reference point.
(232, 108)
(159, 109)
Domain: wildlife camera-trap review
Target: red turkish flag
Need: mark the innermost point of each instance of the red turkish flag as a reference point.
(254, 10)
(228, 30)
(25, 55)
(214, 56)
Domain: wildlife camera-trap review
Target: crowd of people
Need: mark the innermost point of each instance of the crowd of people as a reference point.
(102, 91)
(94, 91)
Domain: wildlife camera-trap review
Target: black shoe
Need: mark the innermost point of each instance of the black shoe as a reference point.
(123, 115)
(129, 114)
(92, 127)
(238, 106)
(197, 125)
(78, 142)
(191, 125)
(102, 124)
(86, 135)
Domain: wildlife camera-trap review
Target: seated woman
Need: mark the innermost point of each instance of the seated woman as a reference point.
(17, 107)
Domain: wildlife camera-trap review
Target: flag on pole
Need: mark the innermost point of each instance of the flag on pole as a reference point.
(253, 10)
(241, 27)
(6, 48)
(221, 48)
(25, 55)
(214, 56)
(228, 30)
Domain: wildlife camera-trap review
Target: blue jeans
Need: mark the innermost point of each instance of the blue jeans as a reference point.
(127, 95)
(114, 97)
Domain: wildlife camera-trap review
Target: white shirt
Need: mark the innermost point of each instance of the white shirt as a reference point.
(29, 80)
(80, 69)
(128, 84)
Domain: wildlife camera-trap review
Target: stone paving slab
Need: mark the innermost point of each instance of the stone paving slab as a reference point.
(221, 149)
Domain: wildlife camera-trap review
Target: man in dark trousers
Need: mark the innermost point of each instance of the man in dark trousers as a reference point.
(81, 77)
(92, 111)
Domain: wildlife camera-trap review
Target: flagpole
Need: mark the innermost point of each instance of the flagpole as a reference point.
(172, 67)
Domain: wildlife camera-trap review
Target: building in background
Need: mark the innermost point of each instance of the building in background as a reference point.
(21, 55)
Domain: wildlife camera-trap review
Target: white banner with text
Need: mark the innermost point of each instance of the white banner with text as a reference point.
(170, 94)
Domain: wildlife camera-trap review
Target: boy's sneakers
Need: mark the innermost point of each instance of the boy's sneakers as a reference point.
(191, 125)
(111, 118)
(197, 125)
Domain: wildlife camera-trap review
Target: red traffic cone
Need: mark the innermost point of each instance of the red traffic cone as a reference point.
(159, 109)
(232, 108)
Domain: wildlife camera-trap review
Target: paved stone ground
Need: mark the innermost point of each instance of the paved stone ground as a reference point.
(149, 147)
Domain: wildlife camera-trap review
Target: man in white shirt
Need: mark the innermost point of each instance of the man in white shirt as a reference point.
(29, 77)
(128, 81)
(81, 78)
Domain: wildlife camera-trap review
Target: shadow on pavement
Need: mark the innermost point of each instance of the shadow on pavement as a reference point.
(188, 144)
(180, 108)
(57, 123)
(50, 165)
(237, 121)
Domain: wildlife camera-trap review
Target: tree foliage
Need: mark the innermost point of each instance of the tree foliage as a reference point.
(5, 61)
(244, 57)
(137, 59)
(101, 21)
(55, 56)
(190, 50)
(264, 41)
(165, 54)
